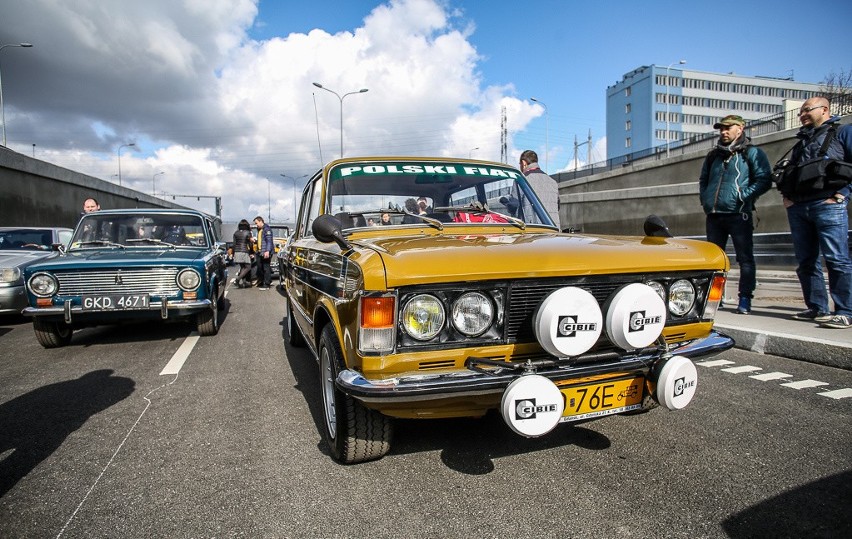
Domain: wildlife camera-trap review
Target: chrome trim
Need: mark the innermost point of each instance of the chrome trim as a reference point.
(67, 310)
(422, 387)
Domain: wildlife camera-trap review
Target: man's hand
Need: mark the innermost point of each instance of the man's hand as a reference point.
(787, 202)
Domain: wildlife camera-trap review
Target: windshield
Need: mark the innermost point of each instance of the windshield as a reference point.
(385, 193)
(32, 239)
(139, 230)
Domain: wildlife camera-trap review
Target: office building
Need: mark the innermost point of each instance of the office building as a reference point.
(655, 105)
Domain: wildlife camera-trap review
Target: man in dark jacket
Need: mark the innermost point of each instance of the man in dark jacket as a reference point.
(265, 251)
(819, 219)
(735, 173)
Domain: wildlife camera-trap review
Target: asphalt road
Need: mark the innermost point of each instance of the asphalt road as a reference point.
(96, 441)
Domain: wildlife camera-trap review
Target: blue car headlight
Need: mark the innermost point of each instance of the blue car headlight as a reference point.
(188, 279)
(43, 285)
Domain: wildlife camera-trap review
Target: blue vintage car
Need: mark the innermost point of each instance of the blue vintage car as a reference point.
(128, 265)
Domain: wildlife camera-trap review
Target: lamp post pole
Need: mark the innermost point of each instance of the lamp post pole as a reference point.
(153, 184)
(668, 67)
(119, 158)
(546, 130)
(2, 109)
(339, 97)
(294, 192)
(470, 153)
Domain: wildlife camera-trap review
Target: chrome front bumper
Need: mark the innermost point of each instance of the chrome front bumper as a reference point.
(421, 387)
(69, 311)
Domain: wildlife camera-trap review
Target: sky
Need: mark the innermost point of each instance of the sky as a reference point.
(217, 95)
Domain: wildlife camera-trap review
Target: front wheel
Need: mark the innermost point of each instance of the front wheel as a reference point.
(207, 320)
(52, 334)
(354, 432)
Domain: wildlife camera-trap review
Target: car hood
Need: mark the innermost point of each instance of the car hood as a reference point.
(124, 258)
(443, 258)
(15, 259)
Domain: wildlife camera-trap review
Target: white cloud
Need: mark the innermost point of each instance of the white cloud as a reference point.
(220, 113)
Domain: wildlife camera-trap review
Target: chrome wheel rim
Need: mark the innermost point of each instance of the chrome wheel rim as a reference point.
(329, 407)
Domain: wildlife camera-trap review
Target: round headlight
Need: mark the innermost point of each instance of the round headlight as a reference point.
(9, 275)
(43, 284)
(188, 279)
(681, 297)
(423, 317)
(658, 288)
(473, 314)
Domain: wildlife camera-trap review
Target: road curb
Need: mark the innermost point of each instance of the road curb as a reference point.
(819, 351)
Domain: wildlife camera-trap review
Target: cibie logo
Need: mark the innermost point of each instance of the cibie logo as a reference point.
(568, 326)
(527, 409)
(681, 385)
(638, 321)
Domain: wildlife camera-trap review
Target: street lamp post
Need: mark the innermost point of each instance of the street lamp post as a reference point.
(668, 67)
(153, 185)
(2, 109)
(119, 158)
(294, 192)
(546, 130)
(470, 153)
(361, 91)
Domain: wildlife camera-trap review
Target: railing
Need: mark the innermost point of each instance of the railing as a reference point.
(702, 143)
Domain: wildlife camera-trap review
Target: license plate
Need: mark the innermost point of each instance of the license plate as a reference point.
(602, 398)
(115, 302)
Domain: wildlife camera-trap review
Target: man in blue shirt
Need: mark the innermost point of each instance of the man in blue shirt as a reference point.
(265, 250)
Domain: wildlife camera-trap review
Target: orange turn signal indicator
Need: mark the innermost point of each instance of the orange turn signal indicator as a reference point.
(377, 313)
(717, 288)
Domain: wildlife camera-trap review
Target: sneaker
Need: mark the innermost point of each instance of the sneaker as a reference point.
(812, 314)
(838, 321)
(744, 306)
(263, 288)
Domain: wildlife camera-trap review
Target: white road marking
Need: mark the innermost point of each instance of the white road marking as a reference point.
(771, 376)
(745, 368)
(804, 384)
(714, 363)
(176, 362)
(837, 394)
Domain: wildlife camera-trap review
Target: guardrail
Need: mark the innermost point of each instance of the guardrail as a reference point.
(771, 250)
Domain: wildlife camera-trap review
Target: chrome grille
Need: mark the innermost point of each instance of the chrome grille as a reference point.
(154, 281)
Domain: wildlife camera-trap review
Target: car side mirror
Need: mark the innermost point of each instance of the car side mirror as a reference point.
(655, 227)
(221, 246)
(327, 228)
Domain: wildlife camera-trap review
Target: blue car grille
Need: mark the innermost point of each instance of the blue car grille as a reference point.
(154, 281)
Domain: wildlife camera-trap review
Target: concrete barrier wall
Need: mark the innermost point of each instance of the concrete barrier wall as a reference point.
(37, 193)
(618, 201)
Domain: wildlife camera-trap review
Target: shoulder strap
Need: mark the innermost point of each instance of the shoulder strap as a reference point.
(829, 136)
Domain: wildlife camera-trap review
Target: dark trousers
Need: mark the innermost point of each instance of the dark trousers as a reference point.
(264, 272)
(740, 228)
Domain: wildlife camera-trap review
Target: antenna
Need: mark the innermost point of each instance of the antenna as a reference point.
(316, 118)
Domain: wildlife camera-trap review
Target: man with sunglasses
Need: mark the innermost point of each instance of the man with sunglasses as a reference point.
(819, 219)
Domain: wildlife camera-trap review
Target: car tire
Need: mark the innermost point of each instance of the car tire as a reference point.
(294, 335)
(221, 300)
(52, 334)
(354, 433)
(207, 320)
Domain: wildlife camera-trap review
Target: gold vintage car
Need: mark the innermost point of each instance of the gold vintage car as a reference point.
(477, 302)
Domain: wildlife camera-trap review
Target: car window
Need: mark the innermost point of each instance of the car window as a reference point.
(140, 230)
(358, 193)
(314, 209)
(26, 238)
(65, 236)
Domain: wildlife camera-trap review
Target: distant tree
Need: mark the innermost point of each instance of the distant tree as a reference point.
(837, 87)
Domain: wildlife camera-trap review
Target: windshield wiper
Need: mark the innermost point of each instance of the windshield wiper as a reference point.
(152, 240)
(478, 209)
(430, 220)
(99, 242)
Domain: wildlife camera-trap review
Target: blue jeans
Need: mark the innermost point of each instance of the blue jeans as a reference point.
(820, 226)
(740, 227)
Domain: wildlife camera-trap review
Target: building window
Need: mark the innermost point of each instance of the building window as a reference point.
(627, 125)
(628, 142)
(627, 108)
(628, 91)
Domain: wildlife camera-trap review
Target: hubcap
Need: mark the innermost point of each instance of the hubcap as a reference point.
(327, 375)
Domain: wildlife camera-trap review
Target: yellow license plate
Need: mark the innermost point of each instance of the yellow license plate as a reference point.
(603, 398)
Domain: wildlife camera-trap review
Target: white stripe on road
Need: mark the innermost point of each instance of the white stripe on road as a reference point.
(176, 362)
(745, 368)
(771, 376)
(837, 394)
(716, 363)
(804, 384)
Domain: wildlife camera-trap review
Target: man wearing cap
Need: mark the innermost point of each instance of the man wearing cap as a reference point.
(735, 173)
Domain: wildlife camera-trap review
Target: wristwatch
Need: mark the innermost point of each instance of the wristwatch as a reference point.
(839, 198)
